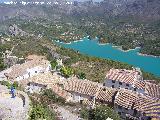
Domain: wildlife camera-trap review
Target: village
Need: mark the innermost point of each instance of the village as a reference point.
(124, 90)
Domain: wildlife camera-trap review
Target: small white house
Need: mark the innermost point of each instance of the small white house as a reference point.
(127, 79)
(35, 87)
(28, 69)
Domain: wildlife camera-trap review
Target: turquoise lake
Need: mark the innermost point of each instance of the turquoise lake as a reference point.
(107, 51)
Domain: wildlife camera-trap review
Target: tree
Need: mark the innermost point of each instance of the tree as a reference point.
(101, 112)
(6, 83)
(53, 64)
(67, 71)
(82, 75)
(15, 84)
(39, 113)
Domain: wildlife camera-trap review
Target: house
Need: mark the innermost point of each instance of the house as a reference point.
(132, 80)
(87, 92)
(81, 90)
(128, 103)
(136, 106)
(124, 102)
(127, 79)
(28, 69)
(40, 82)
(152, 90)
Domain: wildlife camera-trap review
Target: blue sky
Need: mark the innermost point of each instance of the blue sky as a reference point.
(77, 0)
(2, 0)
(87, 0)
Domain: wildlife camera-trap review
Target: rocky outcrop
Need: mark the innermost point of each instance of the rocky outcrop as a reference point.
(15, 30)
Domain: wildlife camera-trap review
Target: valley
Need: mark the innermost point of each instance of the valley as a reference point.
(91, 60)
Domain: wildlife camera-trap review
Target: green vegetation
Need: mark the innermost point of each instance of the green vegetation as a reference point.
(127, 33)
(3, 48)
(6, 83)
(9, 85)
(52, 96)
(82, 75)
(94, 68)
(66, 71)
(39, 112)
(99, 113)
(2, 66)
(40, 103)
(53, 64)
(15, 84)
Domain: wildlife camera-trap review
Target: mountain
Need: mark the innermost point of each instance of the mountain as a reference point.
(142, 9)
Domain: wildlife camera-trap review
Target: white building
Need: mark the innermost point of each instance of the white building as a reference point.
(28, 69)
(127, 79)
(136, 106)
(39, 82)
(87, 92)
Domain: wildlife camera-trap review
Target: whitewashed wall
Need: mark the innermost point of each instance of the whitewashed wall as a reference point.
(109, 83)
(33, 71)
(76, 97)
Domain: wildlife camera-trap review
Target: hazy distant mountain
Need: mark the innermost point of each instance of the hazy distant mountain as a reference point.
(143, 9)
(147, 9)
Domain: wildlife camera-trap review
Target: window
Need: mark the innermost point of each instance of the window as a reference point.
(112, 86)
(119, 113)
(104, 89)
(92, 97)
(127, 85)
(113, 81)
(119, 107)
(120, 83)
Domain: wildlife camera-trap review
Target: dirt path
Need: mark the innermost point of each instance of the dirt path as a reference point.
(65, 114)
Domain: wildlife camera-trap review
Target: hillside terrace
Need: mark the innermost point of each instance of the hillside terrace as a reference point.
(148, 104)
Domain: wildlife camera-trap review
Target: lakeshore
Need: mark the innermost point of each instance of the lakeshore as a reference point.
(108, 51)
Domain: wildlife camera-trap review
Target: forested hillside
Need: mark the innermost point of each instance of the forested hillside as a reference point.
(126, 23)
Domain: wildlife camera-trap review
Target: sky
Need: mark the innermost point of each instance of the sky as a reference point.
(77, 0)
(2, 0)
(93, 0)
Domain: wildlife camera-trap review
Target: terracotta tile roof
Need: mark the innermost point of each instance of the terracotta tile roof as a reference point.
(125, 98)
(60, 92)
(153, 81)
(122, 75)
(90, 88)
(144, 104)
(81, 86)
(106, 94)
(149, 106)
(152, 90)
(44, 79)
(139, 84)
(19, 70)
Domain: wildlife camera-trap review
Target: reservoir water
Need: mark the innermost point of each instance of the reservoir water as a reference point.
(107, 51)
